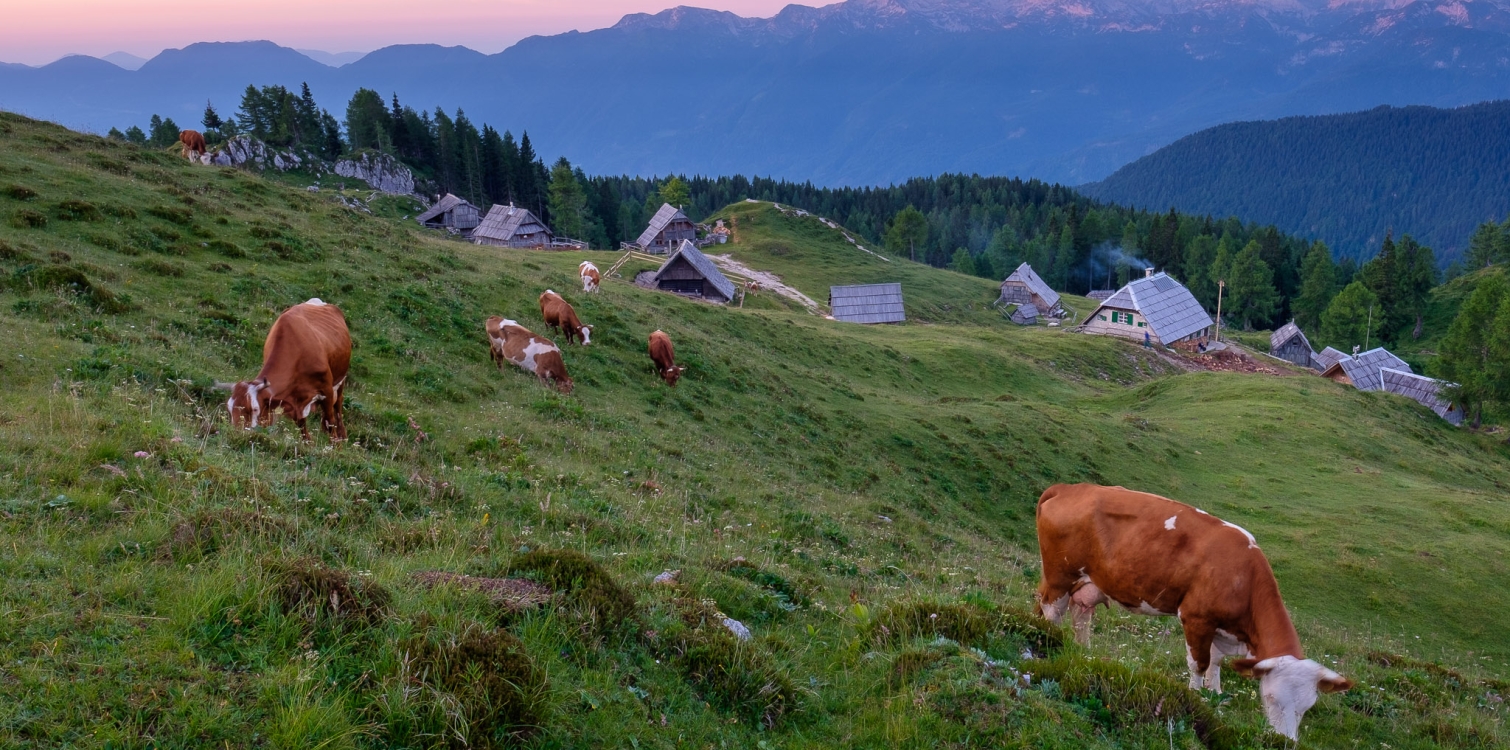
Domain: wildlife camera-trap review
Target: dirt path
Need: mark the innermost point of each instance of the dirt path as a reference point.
(767, 280)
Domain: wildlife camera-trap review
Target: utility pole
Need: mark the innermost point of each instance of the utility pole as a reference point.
(1221, 285)
(1370, 328)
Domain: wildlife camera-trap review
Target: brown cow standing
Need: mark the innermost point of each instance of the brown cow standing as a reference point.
(512, 342)
(304, 362)
(1153, 555)
(589, 274)
(560, 315)
(192, 140)
(664, 356)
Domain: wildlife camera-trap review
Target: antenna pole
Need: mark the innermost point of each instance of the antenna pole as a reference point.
(1370, 328)
(1221, 285)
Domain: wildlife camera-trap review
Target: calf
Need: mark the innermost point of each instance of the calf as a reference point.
(512, 342)
(1155, 556)
(192, 140)
(560, 315)
(664, 356)
(304, 362)
(589, 274)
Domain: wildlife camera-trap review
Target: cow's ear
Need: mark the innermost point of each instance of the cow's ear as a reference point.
(1331, 682)
(1245, 667)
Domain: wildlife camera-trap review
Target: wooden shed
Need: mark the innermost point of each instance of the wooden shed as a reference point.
(667, 230)
(1025, 287)
(1422, 389)
(1290, 344)
(689, 273)
(867, 303)
(512, 226)
(451, 212)
(1026, 314)
(1363, 371)
(1325, 358)
(1156, 309)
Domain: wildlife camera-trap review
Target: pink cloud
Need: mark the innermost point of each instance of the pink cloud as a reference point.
(39, 32)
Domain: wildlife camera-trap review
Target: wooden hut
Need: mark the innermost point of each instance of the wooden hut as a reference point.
(1100, 295)
(1026, 314)
(1156, 309)
(1024, 287)
(450, 212)
(667, 230)
(1289, 343)
(512, 226)
(1424, 390)
(1325, 358)
(867, 303)
(689, 273)
(1363, 371)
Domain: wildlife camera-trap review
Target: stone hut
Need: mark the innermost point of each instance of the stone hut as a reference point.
(1156, 309)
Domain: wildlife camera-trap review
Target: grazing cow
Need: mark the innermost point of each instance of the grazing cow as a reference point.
(192, 140)
(589, 274)
(304, 362)
(664, 356)
(560, 315)
(753, 286)
(1153, 555)
(515, 343)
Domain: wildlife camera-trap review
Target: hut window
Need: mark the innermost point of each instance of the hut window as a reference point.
(1103, 317)
(1142, 325)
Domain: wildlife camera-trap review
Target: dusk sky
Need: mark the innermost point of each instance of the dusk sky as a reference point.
(36, 33)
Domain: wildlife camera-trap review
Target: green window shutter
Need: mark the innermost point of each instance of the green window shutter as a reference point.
(1103, 317)
(1142, 325)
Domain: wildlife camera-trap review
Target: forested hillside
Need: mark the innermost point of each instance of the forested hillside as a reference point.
(1344, 179)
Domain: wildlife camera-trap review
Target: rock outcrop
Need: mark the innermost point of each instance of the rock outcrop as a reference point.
(383, 172)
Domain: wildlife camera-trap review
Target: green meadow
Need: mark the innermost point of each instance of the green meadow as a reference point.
(860, 498)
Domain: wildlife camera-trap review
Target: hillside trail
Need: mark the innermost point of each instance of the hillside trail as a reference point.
(767, 280)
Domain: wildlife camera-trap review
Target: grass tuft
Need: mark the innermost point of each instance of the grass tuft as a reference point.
(26, 218)
(309, 590)
(585, 582)
(487, 687)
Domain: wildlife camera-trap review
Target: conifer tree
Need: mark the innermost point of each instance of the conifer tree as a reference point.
(963, 262)
(135, 135)
(568, 204)
(1476, 352)
(1317, 287)
(909, 230)
(1483, 246)
(1415, 275)
(676, 193)
(1200, 257)
(1252, 297)
(211, 119)
(115, 134)
(1350, 318)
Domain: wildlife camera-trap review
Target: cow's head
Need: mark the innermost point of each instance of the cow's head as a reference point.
(249, 404)
(564, 384)
(671, 375)
(1289, 687)
(586, 334)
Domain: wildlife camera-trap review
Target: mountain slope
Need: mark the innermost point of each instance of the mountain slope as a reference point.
(1345, 179)
(168, 577)
(1064, 91)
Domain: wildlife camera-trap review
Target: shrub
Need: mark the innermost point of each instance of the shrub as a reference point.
(77, 210)
(28, 219)
(583, 580)
(316, 593)
(500, 693)
(172, 213)
(737, 676)
(18, 192)
(781, 587)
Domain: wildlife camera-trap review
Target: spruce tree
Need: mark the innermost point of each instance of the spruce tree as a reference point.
(568, 204)
(115, 134)
(1483, 246)
(676, 193)
(1199, 259)
(1250, 286)
(1317, 287)
(1349, 319)
(1415, 275)
(963, 262)
(135, 135)
(1476, 352)
(211, 119)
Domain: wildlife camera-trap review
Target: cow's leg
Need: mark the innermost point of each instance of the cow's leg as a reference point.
(1199, 648)
(1053, 591)
(328, 415)
(340, 409)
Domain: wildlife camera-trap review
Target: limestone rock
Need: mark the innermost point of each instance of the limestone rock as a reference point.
(737, 628)
(381, 171)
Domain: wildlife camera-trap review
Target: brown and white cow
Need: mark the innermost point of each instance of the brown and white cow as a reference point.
(304, 362)
(664, 356)
(589, 274)
(1156, 556)
(512, 342)
(560, 315)
(192, 140)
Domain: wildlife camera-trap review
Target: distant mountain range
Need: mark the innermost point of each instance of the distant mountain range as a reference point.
(865, 91)
(1345, 179)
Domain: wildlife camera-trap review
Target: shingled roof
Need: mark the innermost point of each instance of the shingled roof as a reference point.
(1364, 369)
(702, 265)
(1285, 333)
(505, 221)
(1170, 309)
(867, 303)
(1036, 285)
(1026, 314)
(666, 215)
(441, 206)
(1422, 389)
(1327, 357)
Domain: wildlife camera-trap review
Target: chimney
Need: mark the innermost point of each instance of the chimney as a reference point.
(1148, 272)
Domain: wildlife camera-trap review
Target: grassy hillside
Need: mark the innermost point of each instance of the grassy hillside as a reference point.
(171, 582)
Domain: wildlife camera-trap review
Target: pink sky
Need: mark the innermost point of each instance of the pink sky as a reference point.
(38, 32)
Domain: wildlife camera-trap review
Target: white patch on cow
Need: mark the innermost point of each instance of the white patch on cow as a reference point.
(339, 383)
(1252, 543)
(1054, 612)
(309, 407)
(509, 323)
(586, 334)
(535, 349)
(316, 301)
(1289, 688)
(1202, 512)
(253, 402)
(1169, 523)
(230, 405)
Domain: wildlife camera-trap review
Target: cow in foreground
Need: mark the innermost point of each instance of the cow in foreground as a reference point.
(559, 314)
(1156, 556)
(192, 140)
(589, 274)
(664, 356)
(304, 363)
(512, 342)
